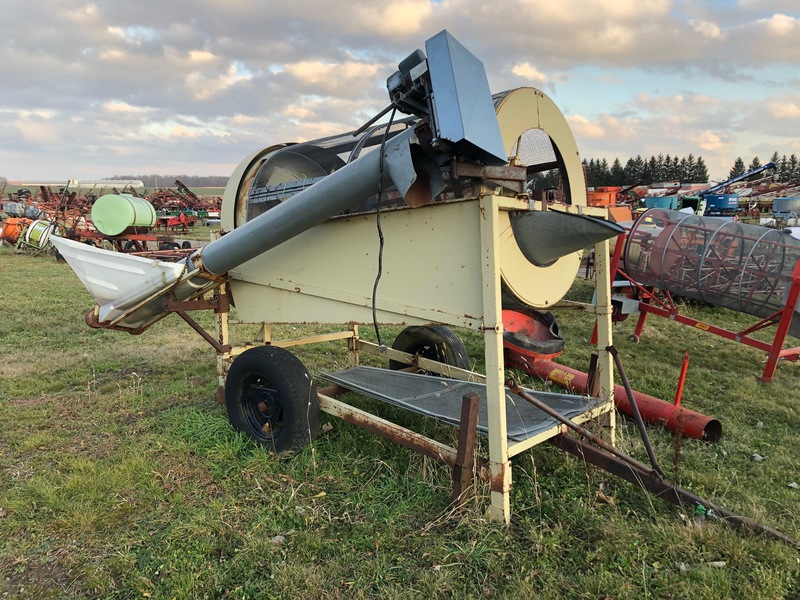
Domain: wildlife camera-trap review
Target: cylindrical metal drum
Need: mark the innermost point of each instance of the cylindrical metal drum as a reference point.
(38, 234)
(12, 229)
(724, 263)
(112, 214)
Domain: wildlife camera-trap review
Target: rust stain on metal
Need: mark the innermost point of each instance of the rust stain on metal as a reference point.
(465, 455)
(499, 481)
(409, 439)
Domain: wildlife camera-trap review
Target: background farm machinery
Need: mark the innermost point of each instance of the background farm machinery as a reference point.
(123, 221)
(755, 270)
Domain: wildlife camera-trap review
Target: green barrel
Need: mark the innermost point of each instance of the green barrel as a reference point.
(112, 214)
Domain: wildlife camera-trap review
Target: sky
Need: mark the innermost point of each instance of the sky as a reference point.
(92, 89)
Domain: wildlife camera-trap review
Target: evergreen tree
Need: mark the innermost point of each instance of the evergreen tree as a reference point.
(738, 168)
(683, 169)
(700, 174)
(689, 174)
(617, 173)
(658, 169)
(629, 173)
(783, 170)
(754, 164)
(793, 169)
(775, 158)
(640, 168)
(666, 161)
(604, 172)
(591, 173)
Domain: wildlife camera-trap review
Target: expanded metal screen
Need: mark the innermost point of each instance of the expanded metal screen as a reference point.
(725, 263)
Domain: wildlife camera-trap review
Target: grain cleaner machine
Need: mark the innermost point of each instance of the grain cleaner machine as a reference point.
(458, 235)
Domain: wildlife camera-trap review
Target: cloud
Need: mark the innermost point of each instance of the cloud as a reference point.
(189, 83)
(708, 30)
(528, 71)
(205, 85)
(330, 76)
(780, 25)
(581, 126)
(784, 110)
(710, 141)
(119, 107)
(401, 17)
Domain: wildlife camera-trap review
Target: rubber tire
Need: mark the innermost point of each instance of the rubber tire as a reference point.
(186, 245)
(436, 342)
(169, 246)
(273, 376)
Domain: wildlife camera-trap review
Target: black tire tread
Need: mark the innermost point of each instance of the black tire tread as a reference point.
(296, 389)
(449, 348)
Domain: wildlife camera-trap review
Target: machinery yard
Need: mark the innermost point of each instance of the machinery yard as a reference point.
(353, 386)
(124, 220)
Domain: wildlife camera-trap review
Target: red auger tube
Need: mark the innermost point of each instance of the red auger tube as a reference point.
(654, 411)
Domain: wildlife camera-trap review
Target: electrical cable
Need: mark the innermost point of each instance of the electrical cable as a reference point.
(380, 230)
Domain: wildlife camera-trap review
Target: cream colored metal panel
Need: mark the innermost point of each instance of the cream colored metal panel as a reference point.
(431, 270)
(527, 108)
(429, 252)
(519, 111)
(539, 287)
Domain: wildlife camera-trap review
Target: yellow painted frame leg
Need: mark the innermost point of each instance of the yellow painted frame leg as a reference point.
(500, 465)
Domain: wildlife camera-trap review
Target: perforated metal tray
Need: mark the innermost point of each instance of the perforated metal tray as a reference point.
(440, 398)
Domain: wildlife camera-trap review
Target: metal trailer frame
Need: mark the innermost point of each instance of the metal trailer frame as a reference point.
(660, 303)
(497, 469)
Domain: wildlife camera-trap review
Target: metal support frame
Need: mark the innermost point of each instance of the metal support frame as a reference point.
(646, 478)
(497, 469)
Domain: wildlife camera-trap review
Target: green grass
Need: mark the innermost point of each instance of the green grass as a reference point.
(120, 477)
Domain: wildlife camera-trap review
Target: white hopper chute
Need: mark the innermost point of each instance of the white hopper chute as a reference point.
(119, 282)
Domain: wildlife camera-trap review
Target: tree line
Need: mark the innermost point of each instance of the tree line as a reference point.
(661, 168)
(646, 171)
(159, 181)
(787, 171)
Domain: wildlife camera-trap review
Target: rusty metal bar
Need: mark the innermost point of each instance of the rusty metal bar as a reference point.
(512, 385)
(662, 488)
(465, 454)
(203, 333)
(184, 305)
(395, 433)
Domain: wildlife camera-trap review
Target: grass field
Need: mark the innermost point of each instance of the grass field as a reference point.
(120, 477)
